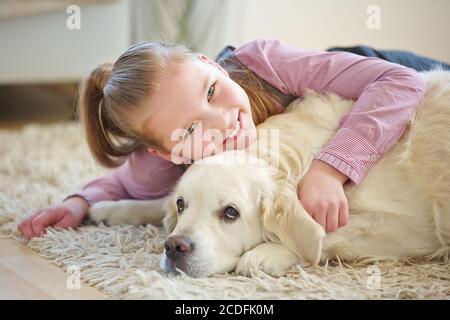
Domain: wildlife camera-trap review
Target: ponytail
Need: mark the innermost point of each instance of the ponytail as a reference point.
(98, 128)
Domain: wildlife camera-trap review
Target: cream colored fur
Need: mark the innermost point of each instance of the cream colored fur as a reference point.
(401, 209)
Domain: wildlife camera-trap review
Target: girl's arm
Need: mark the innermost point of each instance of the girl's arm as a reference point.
(386, 96)
(142, 176)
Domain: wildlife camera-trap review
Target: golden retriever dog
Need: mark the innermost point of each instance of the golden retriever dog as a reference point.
(239, 210)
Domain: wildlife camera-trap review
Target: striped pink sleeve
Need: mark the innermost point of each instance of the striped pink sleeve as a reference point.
(386, 96)
(142, 176)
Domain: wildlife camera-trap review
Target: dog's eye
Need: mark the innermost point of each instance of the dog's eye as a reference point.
(231, 213)
(180, 205)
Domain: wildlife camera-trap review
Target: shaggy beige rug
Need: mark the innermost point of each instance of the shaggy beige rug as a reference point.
(41, 164)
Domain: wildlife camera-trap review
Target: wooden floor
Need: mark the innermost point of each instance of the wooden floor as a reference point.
(25, 275)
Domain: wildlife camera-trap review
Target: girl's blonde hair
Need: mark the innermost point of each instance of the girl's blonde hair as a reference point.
(111, 98)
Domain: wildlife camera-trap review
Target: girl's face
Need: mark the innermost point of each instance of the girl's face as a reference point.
(199, 111)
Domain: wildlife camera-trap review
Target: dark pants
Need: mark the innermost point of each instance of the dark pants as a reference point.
(404, 58)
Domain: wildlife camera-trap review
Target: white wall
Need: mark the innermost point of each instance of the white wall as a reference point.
(41, 48)
(421, 26)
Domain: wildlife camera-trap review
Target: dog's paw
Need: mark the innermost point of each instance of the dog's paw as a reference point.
(252, 261)
(271, 258)
(132, 212)
(103, 212)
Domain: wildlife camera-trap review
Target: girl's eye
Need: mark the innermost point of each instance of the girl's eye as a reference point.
(190, 129)
(211, 91)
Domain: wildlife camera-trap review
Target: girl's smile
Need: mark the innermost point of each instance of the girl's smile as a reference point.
(236, 131)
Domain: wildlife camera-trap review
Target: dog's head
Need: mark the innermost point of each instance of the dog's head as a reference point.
(226, 205)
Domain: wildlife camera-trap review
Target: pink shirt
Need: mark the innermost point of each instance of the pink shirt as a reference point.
(386, 96)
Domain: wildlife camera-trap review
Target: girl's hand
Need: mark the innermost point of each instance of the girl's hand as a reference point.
(66, 214)
(321, 192)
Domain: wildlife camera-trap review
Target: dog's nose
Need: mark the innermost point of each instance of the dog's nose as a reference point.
(178, 245)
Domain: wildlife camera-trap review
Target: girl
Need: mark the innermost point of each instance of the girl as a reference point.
(131, 109)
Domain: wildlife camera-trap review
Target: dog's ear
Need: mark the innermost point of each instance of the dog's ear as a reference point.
(286, 221)
(171, 218)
